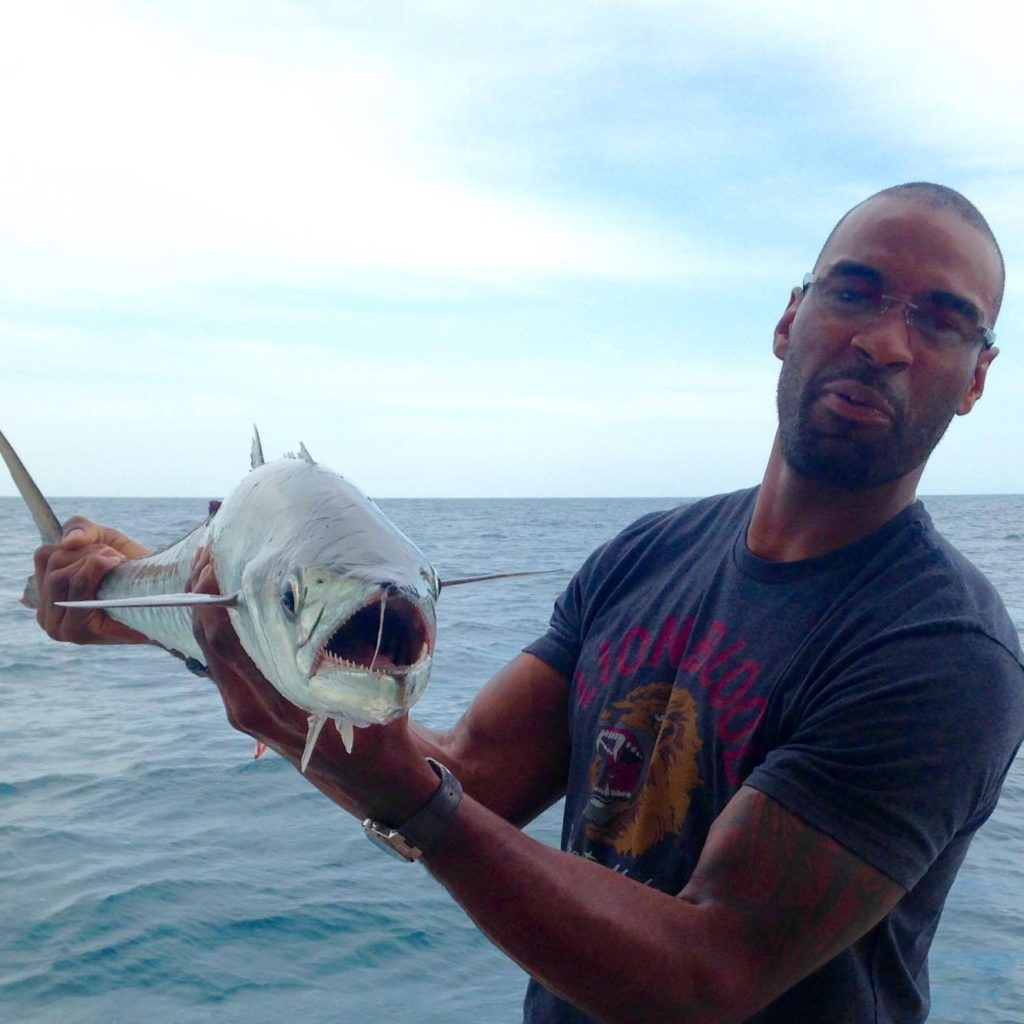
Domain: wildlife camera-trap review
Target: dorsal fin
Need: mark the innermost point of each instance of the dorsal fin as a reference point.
(256, 450)
(305, 456)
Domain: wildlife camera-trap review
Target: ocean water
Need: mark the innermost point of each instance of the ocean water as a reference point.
(151, 871)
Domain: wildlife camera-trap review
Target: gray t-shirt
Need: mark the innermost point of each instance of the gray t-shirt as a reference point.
(877, 692)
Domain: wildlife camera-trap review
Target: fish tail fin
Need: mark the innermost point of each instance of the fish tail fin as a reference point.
(30, 596)
(47, 523)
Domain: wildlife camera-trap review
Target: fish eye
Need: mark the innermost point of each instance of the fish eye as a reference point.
(288, 599)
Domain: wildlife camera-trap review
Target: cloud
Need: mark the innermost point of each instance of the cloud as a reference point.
(144, 153)
(463, 250)
(923, 75)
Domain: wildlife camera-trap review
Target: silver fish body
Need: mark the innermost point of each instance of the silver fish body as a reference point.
(334, 605)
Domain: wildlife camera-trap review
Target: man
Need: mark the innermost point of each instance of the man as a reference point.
(779, 716)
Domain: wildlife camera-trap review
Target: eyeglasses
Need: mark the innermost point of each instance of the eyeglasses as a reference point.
(941, 320)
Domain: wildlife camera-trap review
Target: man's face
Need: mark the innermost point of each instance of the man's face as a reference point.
(864, 405)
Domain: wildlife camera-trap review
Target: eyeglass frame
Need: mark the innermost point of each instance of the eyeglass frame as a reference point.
(988, 335)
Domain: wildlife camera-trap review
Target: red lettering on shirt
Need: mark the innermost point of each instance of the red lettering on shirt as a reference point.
(718, 692)
(705, 648)
(672, 639)
(729, 682)
(604, 659)
(584, 692)
(628, 665)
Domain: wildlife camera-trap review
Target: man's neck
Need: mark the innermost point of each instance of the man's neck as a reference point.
(796, 518)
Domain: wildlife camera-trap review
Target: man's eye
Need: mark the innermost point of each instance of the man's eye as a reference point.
(941, 320)
(849, 294)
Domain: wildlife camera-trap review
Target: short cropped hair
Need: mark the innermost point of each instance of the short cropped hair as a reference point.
(939, 197)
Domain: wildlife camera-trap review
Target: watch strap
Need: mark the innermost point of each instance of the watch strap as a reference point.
(422, 832)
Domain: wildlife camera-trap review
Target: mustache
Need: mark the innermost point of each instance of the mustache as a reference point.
(874, 379)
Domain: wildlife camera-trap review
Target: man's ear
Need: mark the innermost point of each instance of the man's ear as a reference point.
(781, 341)
(976, 387)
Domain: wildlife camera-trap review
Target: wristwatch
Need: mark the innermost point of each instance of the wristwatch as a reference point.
(421, 833)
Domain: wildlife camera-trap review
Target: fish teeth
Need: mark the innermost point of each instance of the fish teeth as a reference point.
(345, 663)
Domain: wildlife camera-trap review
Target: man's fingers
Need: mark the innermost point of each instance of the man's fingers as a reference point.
(80, 532)
(212, 626)
(203, 580)
(85, 581)
(40, 560)
(72, 571)
(64, 574)
(251, 703)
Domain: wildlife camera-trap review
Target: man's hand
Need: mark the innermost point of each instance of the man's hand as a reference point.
(72, 571)
(385, 776)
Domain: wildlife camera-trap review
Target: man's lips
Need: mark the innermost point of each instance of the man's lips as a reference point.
(855, 401)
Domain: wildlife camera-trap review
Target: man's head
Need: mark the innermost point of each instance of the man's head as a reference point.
(938, 197)
(864, 398)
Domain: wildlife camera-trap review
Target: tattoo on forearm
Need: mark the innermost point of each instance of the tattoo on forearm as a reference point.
(791, 882)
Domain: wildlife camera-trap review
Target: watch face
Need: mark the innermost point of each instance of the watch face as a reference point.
(390, 841)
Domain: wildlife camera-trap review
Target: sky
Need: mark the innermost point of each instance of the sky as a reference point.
(465, 248)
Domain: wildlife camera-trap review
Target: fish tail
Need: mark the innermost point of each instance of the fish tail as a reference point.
(47, 523)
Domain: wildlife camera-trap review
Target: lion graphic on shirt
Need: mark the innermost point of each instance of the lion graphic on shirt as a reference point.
(644, 768)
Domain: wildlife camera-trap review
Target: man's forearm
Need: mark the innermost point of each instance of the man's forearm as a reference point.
(621, 951)
(771, 900)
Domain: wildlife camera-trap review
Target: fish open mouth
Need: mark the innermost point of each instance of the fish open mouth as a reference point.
(389, 634)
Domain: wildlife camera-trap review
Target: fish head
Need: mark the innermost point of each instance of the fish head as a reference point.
(365, 645)
(354, 642)
(336, 604)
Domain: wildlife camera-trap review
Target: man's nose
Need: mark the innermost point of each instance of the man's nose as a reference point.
(885, 341)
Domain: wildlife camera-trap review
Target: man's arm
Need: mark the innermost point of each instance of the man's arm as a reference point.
(770, 900)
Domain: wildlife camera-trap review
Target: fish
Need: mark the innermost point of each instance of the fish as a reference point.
(330, 600)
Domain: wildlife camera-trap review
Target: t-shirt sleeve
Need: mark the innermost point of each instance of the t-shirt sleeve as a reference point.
(580, 602)
(560, 646)
(903, 748)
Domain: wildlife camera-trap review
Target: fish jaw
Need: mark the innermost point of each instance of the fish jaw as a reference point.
(370, 662)
(366, 697)
(348, 648)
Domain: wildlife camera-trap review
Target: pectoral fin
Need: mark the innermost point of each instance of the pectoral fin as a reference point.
(497, 576)
(316, 723)
(347, 733)
(160, 601)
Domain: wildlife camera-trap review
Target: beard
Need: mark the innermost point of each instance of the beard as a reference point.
(829, 449)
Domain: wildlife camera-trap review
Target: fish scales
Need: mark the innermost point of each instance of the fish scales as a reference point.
(333, 604)
(163, 572)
